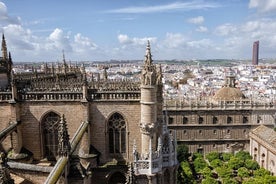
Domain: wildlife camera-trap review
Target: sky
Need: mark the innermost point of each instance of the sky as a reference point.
(91, 30)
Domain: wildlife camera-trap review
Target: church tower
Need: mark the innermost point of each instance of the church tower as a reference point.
(5, 65)
(148, 102)
(157, 162)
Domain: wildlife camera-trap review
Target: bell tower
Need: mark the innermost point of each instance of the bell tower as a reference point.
(156, 163)
(148, 124)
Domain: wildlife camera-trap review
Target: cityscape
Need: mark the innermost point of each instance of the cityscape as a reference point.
(144, 110)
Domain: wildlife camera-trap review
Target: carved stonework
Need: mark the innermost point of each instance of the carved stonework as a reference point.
(147, 128)
(63, 138)
(159, 76)
(150, 75)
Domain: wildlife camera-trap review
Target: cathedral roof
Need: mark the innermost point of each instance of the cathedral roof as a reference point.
(266, 134)
(227, 93)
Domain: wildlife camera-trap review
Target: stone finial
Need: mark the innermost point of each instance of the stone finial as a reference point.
(63, 58)
(4, 48)
(159, 75)
(148, 76)
(10, 63)
(148, 56)
(63, 138)
(105, 73)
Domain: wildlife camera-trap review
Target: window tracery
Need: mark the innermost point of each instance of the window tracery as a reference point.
(117, 133)
(50, 134)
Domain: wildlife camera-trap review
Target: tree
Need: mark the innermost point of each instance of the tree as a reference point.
(216, 163)
(199, 164)
(243, 172)
(267, 179)
(243, 155)
(197, 155)
(226, 156)
(261, 172)
(212, 156)
(185, 174)
(206, 172)
(209, 180)
(235, 163)
(251, 164)
(182, 152)
(253, 181)
(230, 181)
(224, 171)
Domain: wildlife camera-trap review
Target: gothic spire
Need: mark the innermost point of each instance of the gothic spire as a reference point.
(63, 58)
(148, 59)
(4, 48)
(148, 76)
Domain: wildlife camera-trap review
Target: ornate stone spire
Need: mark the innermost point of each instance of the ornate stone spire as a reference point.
(10, 61)
(63, 138)
(148, 58)
(159, 75)
(65, 66)
(63, 58)
(149, 71)
(4, 48)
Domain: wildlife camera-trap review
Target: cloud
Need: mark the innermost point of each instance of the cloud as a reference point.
(126, 40)
(19, 37)
(238, 39)
(202, 29)
(59, 40)
(225, 29)
(263, 5)
(5, 19)
(174, 40)
(200, 44)
(183, 6)
(196, 20)
(83, 43)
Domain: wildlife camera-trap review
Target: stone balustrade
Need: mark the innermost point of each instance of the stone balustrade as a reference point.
(48, 96)
(115, 95)
(218, 105)
(5, 96)
(72, 96)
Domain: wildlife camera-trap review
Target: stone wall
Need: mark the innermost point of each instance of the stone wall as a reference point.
(217, 130)
(5, 118)
(101, 111)
(32, 114)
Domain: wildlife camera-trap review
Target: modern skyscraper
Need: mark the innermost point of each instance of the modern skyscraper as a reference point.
(255, 55)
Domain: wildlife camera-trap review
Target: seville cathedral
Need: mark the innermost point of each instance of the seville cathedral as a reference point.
(58, 127)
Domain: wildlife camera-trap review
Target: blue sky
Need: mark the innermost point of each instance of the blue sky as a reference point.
(103, 30)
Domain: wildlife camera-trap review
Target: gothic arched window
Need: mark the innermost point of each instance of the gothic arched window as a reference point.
(50, 134)
(117, 133)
